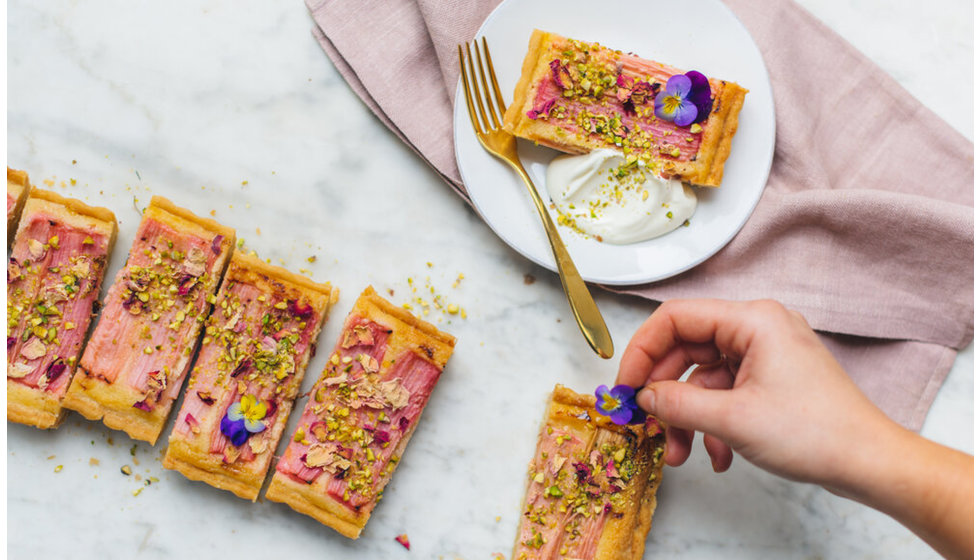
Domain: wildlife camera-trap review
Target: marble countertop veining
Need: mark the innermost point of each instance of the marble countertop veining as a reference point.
(232, 108)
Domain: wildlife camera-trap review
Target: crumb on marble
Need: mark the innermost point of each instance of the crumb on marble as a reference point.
(93, 462)
(529, 279)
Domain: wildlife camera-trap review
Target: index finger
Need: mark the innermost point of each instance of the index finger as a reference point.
(651, 354)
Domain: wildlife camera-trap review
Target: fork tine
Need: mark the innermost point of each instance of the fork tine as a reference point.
(486, 88)
(467, 92)
(475, 88)
(502, 107)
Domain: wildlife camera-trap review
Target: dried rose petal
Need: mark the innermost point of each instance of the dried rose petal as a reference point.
(191, 421)
(55, 370)
(205, 397)
(241, 367)
(143, 405)
(11, 340)
(561, 75)
(271, 407)
(381, 436)
(403, 423)
(303, 311)
(185, 284)
(216, 244)
(542, 109)
(403, 540)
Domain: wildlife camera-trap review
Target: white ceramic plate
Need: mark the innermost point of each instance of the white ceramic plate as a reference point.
(696, 34)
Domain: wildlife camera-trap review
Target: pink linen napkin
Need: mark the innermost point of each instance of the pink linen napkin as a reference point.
(865, 225)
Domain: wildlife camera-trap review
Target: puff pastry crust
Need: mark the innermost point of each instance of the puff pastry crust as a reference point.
(141, 349)
(592, 485)
(360, 415)
(258, 341)
(54, 276)
(570, 97)
(18, 188)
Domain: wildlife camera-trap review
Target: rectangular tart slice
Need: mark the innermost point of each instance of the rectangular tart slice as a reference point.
(140, 352)
(53, 280)
(18, 187)
(360, 415)
(257, 343)
(592, 485)
(578, 97)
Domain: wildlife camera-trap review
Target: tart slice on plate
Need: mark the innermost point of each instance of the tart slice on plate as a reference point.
(141, 350)
(577, 97)
(54, 275)
(591, 485)
(360, 414)
(257, 343)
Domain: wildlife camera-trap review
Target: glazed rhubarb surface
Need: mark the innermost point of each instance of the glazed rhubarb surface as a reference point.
(360, 415)
(141, 350)
(257, 342)
(54, 276)
(591, 484)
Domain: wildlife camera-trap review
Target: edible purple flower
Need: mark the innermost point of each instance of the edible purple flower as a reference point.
(243, 419)
(685, 99)
(619, 404)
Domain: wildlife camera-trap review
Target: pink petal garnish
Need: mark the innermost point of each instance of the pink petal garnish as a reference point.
(216, 244)
(403, 540)
(560, 74)
(302, 311)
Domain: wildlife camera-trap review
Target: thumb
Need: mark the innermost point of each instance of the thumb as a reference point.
(686, 406)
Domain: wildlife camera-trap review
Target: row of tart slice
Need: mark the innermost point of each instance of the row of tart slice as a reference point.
(591, 485)
(184, 292)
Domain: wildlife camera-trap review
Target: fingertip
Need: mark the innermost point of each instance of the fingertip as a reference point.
(678, 446)
(719, 452)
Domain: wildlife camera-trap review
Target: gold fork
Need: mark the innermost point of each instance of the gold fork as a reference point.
(502, 144)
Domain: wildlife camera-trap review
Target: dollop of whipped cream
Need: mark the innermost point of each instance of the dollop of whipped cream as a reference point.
(617, 201)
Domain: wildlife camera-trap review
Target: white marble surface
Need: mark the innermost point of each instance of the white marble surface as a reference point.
(232, 107)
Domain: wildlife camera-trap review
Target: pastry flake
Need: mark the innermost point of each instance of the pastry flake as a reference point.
(360, 415)
(54, 276)
(257, 343)
(577, 97)
(591, 486)
(141, 349)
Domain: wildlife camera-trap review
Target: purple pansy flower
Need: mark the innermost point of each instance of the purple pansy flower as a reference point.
(619, 404)
(243, 419)
(685, 99)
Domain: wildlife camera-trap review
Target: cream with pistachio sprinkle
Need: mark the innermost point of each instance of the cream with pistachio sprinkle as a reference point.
(617, 199)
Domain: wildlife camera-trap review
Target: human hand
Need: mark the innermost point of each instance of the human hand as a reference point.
(764, 386)
(767, 388)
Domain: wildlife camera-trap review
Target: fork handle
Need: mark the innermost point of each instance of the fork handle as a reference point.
(586, 313)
